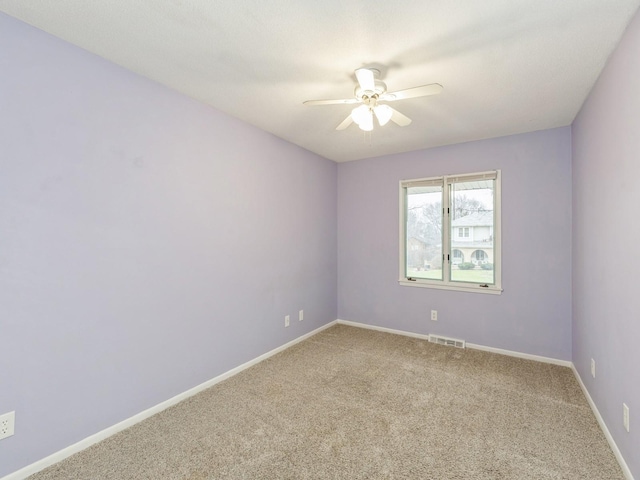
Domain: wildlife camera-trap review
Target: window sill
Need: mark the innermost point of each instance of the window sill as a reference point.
(491, 290)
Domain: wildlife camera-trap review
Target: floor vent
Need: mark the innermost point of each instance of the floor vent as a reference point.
(449, 342)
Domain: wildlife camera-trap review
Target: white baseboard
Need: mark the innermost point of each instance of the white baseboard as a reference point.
(383, 329)
(603, 426)
(118, 427)
(525, 356)
(510, 353)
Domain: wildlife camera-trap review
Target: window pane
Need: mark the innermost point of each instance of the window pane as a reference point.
(424, 232)
(472, 226)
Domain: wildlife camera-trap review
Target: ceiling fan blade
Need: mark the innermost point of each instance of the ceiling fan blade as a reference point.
(345, 123)
(366, 79)
(331, 102)
(422, 91)
(399, 118)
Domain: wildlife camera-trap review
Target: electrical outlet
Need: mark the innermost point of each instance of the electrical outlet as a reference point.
(625, 416)
(7, 424)
(286, 321)
(593, 368)
(301, 315)
(434, 315)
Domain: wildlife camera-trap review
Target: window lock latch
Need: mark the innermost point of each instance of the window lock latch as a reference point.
(485, 286)
(411, 279)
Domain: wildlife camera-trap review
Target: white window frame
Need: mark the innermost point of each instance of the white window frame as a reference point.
(446, 283)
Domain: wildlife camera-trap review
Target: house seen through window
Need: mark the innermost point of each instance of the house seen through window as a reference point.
(450, 232)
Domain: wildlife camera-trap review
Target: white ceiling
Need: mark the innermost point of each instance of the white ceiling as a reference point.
(507, 66)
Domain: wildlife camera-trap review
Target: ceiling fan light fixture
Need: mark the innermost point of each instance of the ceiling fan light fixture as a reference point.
(383, 114)
(360, 114)
(367, 123)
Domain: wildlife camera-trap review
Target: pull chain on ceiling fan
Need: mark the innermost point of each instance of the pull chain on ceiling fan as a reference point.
(369, 93)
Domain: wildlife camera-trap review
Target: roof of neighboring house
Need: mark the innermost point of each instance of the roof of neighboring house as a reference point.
(477, 219)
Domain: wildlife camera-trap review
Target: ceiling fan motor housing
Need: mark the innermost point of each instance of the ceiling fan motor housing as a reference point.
(380, 88)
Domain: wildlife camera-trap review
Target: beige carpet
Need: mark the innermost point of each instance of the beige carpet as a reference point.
(351, 403)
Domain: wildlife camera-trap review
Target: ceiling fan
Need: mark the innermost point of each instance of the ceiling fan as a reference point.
(369, 92)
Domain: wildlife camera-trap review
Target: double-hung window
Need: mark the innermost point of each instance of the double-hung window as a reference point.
(450, 232)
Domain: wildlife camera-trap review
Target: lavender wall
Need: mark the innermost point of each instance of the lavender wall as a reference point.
(533, 314)
(606, 232)
(148, 243)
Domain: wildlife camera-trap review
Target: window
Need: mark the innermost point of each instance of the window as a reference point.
(479, 257)
(456, 221)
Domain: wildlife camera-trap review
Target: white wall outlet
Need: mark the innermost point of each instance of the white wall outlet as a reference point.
(301, 315)
(625, 416)
(7, 424)
(434, 315)
(286, 321)
(593, 368)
